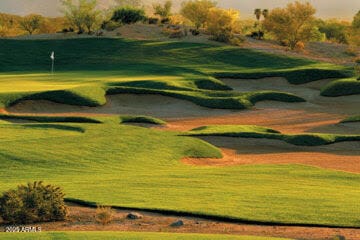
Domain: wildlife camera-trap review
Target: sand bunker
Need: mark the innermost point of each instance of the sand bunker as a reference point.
(309, 91)
(319, 114)
(241, 151)
(131, 104)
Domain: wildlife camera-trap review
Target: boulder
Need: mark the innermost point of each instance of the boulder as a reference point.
(178, 223)
(134, 216)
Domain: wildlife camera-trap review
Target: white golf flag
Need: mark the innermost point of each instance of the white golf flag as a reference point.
(52, 55)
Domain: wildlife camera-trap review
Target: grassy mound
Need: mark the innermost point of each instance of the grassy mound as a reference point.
(127, 236)
(351, 119)
(145, 167)
(141, 119)
(219, 100)
(55, 126)
(341, 87)
(297, 76)
(49, 119)
(246, 131)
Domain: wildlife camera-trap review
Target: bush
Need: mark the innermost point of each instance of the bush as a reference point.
(195, 32)
(32, 203)
(110, 25)
(299, 46)
(153, 20)
(173, 32)
(128, 15)
(104, 215)
(165, 21)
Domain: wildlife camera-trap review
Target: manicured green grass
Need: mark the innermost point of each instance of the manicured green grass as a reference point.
(122, 165)
(246, 131)
(87, 69)
(48, 119)
(125, 235)
(342, 87)
(351, 119)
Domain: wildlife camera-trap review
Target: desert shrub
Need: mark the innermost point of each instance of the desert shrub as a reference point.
(195, 32)
(153, 20)
(334, 30)
(165, 20)
(221, 24)
(300, 46)
(237, 40)
(104, 215)
(257, 34)
(128, 15)
(173, 32)
(110, 25)
(34, 202)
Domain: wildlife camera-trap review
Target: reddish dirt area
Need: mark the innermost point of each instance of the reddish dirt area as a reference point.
(317, 159)
(284, 120)
(83, 219)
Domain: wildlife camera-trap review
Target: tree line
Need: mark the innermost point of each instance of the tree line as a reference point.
(293, 25)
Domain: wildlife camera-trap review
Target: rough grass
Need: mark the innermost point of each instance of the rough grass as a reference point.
(127, 236)
(341, 87)
(123, 165)
(246, 131)
(87, 68)
(351, 119)
(141, 119)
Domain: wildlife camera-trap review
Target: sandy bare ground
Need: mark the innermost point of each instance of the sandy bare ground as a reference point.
(241, 151)
(82, 219)
(320, 51)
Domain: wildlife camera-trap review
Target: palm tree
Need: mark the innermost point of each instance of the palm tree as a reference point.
(265, 13)
(257, 13)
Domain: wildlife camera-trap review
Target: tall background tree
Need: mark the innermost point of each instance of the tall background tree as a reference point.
(354, 31)
(163, 10)
(31, 23)
(257, 13)
(222, 23)
(197, 11)
(81, 14)
(293, 24)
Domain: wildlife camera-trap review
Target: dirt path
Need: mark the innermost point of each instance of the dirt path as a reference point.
(82, 219)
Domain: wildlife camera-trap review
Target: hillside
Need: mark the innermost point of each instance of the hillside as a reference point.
(83, 128)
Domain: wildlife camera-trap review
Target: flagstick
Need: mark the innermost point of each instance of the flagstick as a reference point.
(52, 66)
